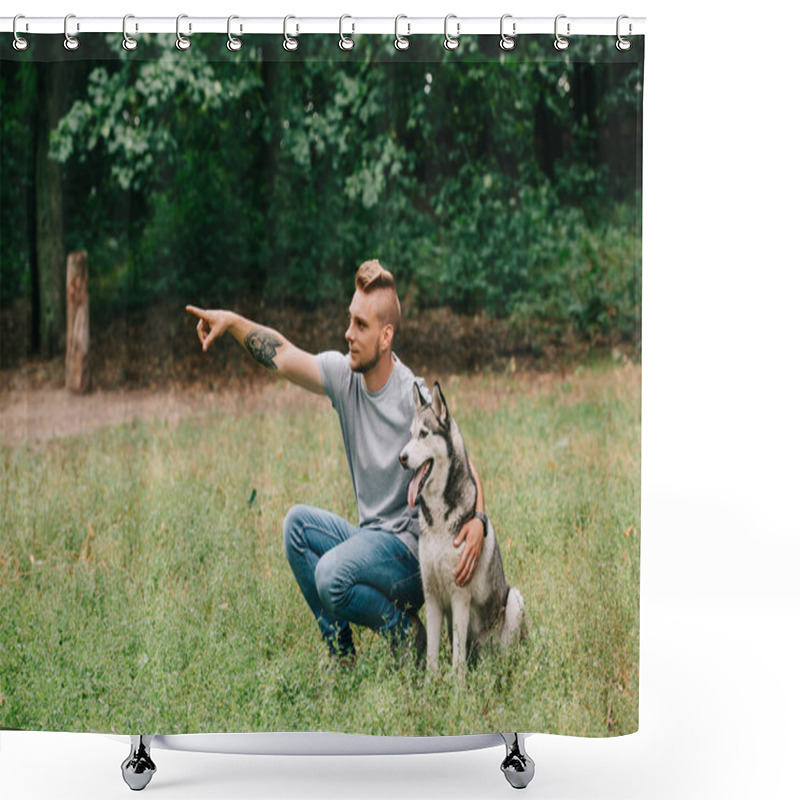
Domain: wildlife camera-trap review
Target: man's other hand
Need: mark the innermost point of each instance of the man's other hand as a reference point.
(472, 534)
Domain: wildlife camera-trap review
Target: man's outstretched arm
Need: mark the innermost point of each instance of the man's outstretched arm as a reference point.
(267, 346)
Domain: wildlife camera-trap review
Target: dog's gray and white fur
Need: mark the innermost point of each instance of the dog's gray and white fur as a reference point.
(486, 608)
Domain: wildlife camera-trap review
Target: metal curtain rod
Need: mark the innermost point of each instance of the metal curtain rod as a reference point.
(407, 26)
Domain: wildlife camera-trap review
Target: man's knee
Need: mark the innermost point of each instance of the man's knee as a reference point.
(293, 526)
(331, 582)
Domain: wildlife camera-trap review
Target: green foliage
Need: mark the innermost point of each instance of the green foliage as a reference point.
(505, 184)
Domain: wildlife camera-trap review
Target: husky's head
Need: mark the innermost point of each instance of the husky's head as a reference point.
(428, 448)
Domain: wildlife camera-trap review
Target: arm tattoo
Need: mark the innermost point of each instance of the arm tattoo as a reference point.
(263, 346)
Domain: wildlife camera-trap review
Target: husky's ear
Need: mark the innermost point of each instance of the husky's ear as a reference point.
(418, 399)
(439, 404)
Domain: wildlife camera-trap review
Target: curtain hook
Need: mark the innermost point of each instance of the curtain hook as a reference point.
(128, 43)
(181, 42)
(507, 42)
(288, 42)
(561, 43)
(451, 42)
(622, 43)
(70, 42)
(233, 44)
(20, 43)
(401, 42)
(345, 42)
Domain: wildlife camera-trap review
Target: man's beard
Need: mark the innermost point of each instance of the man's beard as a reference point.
(366, 367)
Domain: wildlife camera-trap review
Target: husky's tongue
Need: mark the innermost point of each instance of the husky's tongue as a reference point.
(416, 483)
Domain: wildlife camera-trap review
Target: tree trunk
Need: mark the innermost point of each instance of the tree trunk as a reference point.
(78, 377)
(49, 214)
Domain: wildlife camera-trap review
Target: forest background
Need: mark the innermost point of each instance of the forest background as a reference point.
(504, 193)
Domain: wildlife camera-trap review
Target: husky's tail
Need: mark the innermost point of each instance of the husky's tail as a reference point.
(514, 625)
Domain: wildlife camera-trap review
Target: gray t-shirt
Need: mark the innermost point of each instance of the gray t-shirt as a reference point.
(375, 428)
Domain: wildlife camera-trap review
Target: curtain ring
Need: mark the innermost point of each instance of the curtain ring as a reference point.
(561, 43)
(622, 43)
(345, 42)
(70, 42)
(507, 42)
(451, 42)
(128, 43)
(181, 42)
(233, 44)
(401, 42)
(288, 42)
(20, 43)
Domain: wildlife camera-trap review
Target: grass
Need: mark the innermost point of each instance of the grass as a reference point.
(143, 585)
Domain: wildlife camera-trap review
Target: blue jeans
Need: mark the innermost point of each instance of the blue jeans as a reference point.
(349, 574)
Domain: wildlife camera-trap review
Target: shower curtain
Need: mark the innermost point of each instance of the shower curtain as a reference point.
(144, 583)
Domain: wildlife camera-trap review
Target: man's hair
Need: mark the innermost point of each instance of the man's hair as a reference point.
(372, 277)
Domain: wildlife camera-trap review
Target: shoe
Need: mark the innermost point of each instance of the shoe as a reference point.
(341, 652)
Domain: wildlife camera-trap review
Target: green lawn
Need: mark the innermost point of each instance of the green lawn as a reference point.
(143, 585)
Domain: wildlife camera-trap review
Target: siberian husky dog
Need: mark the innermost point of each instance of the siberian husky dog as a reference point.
(487, 608)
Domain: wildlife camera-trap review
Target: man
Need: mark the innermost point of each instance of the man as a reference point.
(367, 574)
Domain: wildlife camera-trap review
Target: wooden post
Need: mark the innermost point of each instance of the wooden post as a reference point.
(78, 378)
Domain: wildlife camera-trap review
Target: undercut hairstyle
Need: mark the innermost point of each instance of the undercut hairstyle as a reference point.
(372, 277)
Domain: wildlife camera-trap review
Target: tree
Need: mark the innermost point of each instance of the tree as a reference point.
(500, 184)
(50, 261)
